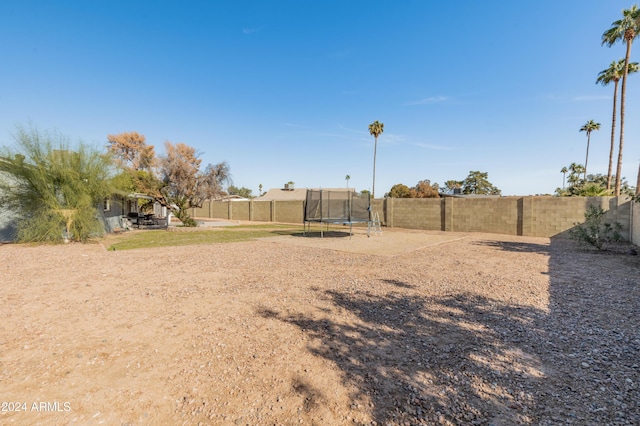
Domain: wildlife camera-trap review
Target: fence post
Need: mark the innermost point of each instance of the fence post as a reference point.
(388, 212)
(447, 214)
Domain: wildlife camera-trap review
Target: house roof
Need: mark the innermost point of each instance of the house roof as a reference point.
(233, 197)
(294, 194)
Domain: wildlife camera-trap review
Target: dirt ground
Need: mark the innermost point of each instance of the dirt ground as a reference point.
(402, 328)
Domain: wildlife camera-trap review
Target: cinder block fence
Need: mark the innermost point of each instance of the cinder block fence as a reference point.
(526, 216)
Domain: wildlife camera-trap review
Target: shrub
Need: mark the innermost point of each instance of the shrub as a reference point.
(594, 231)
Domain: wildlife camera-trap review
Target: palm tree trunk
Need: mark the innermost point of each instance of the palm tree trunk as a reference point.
(373, 188)
(622, 99)
(613, 133)
(586, 160)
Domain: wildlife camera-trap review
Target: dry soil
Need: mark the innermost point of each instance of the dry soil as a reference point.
(399, 328)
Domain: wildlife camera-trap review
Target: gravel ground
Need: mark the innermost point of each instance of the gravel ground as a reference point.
(403, 328)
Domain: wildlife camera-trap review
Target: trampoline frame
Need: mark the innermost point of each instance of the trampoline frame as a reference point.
(324, 203)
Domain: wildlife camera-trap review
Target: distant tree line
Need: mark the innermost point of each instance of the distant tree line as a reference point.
(476, 183)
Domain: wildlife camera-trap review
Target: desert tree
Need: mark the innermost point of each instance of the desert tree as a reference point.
(347, 178)
(625, 30)
(131, 151)
(605, 77)
(375, 129)
(54, 186)
(184, 185)
(174, 180)
(425, 189)
(589, 127)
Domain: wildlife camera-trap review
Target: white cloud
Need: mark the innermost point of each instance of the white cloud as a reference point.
(592, 98)
(434, 147)
(579, 98)
(251, 30)
(429, 100)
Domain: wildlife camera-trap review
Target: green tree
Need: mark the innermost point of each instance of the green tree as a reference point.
(592, 189)
(399, 190)
(589, 127)
(614, 74)
(625, 30)
(54, 187)
(595, 185)
(242, 192)
(451, 186)
(375, 129)
(575, 170)
(478, 183)
(347, 178)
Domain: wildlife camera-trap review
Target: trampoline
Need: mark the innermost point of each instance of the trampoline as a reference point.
(339, 207)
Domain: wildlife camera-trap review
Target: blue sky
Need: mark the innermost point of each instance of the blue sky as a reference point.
(285, 90)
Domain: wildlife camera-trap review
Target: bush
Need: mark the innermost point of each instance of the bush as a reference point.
(54, 187)
(594, 231)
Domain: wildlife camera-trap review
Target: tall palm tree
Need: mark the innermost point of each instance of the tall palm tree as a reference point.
(564, 171)
(589, 127)
(625, 30)
(614, 74)
(347, 178)
(376, 128)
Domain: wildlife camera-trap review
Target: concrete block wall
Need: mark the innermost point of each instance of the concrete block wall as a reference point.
(415, 213)
(493, 215)
(240, 210)
(288, 211)
(635, 223)
(527, 216)
(261, 211)
(203, 211)
(553, 216)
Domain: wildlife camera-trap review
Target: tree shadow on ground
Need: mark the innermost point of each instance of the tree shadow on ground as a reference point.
(470, 359)
(411, 358)
(516, 246)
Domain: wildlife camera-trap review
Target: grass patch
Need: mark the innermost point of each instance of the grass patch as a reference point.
(183, 237)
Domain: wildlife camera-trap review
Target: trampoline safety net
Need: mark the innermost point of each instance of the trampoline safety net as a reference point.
(326, 206)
